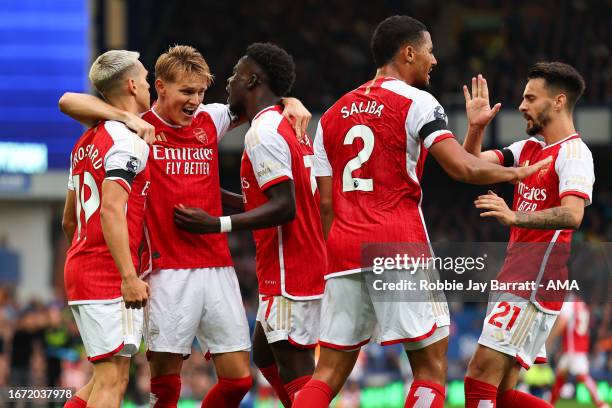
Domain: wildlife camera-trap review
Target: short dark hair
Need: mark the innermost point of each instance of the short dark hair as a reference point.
(560, 77)
(276, 63)
(393, 33)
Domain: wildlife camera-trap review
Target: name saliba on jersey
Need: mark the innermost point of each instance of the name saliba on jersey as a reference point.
(370, 107)
(185, 160)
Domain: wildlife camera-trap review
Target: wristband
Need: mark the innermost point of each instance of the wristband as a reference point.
(226, 224)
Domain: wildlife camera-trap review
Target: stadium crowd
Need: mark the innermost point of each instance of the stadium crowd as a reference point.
(330, 41)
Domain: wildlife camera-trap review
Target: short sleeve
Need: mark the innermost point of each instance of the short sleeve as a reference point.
(70, 181)
(574, 166)
(269, 155)
(509, 156)
(221, 116)
(127, 157)
(322, 167)
(426, 120)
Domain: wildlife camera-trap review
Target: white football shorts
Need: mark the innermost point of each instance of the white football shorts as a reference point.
(516, 327)
(202, 303)
(574, 363)
(108, 329)
(350, 318)
(296, 321)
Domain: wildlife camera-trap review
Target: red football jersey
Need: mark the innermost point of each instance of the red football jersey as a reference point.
(570, 173)
(373, 142)
(291, 258)
(107, 151)
(576, 334)
(185, 170)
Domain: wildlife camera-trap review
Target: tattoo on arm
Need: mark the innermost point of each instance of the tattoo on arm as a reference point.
(551, 219)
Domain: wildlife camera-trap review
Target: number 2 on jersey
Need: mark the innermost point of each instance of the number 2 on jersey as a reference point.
(90, 206)
(350, 183)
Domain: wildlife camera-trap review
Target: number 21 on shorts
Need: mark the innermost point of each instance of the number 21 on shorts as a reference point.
(503, 309)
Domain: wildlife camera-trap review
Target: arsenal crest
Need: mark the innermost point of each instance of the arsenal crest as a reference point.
(201, 135)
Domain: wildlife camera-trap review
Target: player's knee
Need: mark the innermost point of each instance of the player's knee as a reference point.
(108, 383)
(479, 367)
(165, 363)
(434, 370)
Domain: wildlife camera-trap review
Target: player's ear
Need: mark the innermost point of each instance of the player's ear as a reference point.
(407, 53)
(131, 86)
(560, 102)
(253, 80)
(160, 87)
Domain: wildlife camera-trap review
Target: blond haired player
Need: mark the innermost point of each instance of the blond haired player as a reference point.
(195, 293)
(104, 222)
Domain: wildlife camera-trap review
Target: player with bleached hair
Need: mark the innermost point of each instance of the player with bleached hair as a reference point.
(104, 222)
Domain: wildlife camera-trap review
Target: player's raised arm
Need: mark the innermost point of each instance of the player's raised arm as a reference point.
(479, 115)
(88, 110)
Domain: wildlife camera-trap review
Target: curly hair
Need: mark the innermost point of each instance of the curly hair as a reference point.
(276, 63)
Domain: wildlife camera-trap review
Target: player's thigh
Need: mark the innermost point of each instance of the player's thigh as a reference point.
(111, 372)
(108, 329)
(293, 361)
(348, 320)
(223, 327)
(262, 353)
(175, 309)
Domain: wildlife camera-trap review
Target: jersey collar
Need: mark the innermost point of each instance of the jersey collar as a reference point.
(570, 137)
(163, 121)
(264, 110)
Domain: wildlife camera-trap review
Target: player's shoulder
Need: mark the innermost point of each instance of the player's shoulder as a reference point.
(410, 92)
(118, 130)
(214, 110)
(575, 149)
(270, 124)
(121, 135)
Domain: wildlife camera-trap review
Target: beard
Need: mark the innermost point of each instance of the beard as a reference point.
(539, 122)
